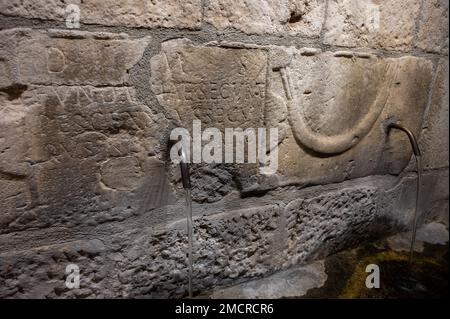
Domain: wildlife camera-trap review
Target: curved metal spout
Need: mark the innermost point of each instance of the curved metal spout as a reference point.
(417, 154)
(412, 138)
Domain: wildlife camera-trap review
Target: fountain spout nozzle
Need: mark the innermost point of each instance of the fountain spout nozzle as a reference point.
(395, 124)
(412, 139)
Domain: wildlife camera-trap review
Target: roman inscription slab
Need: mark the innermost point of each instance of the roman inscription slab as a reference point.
(68, 57)
(222, 87)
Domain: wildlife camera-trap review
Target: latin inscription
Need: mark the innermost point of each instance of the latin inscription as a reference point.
(218, 86)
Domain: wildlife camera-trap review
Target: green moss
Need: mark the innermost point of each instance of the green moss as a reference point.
(426, 276)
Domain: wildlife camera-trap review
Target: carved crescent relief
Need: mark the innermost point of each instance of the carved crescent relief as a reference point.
(308, 132)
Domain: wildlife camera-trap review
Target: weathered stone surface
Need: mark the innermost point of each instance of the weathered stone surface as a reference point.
(84, 172)
(318, 225)
(40, 273)
(211, 84)
(72, 152)
(433, 27)
(67, 57)
(300, 17)
(432, 233)
(85, 157)
(137, 260)
(330, 107)
(337, 106)
(402, 242)
(136, 13)
(210, 183)
(223, 88)
(399, 203)
(434, 138)
(229, 247)
(294, 282)
(238, 244)
(376, 24)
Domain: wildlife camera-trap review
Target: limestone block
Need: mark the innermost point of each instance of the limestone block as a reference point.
(376, 24)
(434, 138)
(321, 224)
(148, 262)
(400, 201)
(299, 17)
(433, 27)
(223, 88)
(41, 272)
(13, 134)
(330, 107)
(291, 283)
(76, 146)
(67, 57)
(339, 104)
(135, 13)
(90, 148)
(229, 247)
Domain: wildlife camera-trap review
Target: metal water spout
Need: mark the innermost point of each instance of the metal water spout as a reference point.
(393, 124)
(186, 180)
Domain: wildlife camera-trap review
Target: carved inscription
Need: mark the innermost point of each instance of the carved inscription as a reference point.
(221, 87)
(84, 122)
(61, 57)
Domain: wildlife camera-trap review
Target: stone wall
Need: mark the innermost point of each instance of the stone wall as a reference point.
(86, 113)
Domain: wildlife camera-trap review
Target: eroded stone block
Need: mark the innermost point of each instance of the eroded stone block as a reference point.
(338, 107)
(300, 17)
(223, 88)
(433, 27)
(131, 263)
(377, 24)
(434, 137)
(76, 146)
(41, 272)
(322, 224)
(89, 153)
(135, 13)
(67, 57)
(330, 107)
(291, 283)
(229, 247)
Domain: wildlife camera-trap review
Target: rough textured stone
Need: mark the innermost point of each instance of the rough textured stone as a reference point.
(342, 214)
(229, 247)
(40, 273)
(85, 153)
(377, 24)
(136, 260)
(223, 88)
(434, 138)
(67, 57)
(136, 13)
(133, 260)
(433, 27)
(299, 17)
(294, 282)
(85, 175)
(73, 153)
